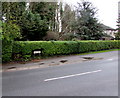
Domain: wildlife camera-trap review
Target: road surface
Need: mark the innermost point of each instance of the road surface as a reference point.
(89, 78)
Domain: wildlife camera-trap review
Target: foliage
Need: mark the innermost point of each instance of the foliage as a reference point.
(46, 10)
(87, 25)
(51, 35)
(117, 36)
(68, 36)
(13, 11)
(10, 32)
(11, 17)
(0, 30)
(68, 17)
(6, 50)
(33, 27)
(62, 47)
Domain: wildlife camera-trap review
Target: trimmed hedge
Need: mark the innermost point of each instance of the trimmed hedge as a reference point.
(49, 47)
(24, 49)
(6, 50)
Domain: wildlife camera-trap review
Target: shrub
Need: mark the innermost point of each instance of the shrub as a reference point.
(67, 36)
(61, 47)
(51, 35)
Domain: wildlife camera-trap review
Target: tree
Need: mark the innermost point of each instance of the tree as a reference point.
(0, 30)
(10, 31)
(117, 35)
(87, 25)
(12, 11)
(46, 10)
(67, 19)
(11, 17)
(33, 27)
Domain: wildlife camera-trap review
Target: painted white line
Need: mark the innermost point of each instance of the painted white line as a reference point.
(63, 77)
(110, 59)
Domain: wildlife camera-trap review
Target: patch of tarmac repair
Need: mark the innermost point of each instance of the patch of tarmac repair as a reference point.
(97, 58)
(53, 64)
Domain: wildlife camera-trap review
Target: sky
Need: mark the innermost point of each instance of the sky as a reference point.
(107, 10)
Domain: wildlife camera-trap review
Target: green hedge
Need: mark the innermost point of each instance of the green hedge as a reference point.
(49, 47)
(6, 50)
(24, 49)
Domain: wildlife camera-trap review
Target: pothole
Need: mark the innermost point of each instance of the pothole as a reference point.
(41, 63)
(63, 61)
(12, 67)
(88, 58)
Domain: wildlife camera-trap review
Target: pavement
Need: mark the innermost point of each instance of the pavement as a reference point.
(80, 75)
(43, 63)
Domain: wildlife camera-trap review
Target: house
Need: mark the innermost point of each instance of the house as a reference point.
(109, 32)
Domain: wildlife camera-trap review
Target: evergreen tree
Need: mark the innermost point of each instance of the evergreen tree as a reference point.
(117, 35)
(33, 27)
(46, 10)
(87, 25)
(12, 11)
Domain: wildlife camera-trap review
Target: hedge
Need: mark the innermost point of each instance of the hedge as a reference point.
(6, 50)
(24, 49)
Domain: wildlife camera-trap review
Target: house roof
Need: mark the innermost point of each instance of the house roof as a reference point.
(107, 27)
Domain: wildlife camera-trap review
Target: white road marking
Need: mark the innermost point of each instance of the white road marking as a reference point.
(110, 59)
(63, 77)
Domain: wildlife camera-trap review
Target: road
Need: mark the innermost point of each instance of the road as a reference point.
(89, 78)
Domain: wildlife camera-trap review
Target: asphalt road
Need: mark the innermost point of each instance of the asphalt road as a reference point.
(89, 78)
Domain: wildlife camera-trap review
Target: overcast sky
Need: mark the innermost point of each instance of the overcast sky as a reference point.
(107, 10)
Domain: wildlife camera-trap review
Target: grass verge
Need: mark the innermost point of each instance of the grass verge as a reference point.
(99, 51)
